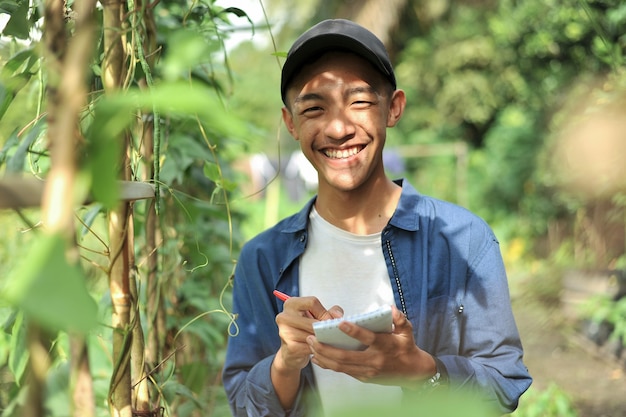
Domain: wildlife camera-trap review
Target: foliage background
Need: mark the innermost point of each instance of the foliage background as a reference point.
(506, 78)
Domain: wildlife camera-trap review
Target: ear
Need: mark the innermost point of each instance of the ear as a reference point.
(396, 107)
(288, 120)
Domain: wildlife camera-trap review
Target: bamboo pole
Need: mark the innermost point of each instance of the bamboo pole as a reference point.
(152, 344)
(114, 62)
(147, 353)
(74, 93)
(113, 78)
(120, 403)
(141, 394)
(39, 363)
(20, 192)
(154, 312)
(67, 63)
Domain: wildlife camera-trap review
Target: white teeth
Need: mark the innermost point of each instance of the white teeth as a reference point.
(340, 154)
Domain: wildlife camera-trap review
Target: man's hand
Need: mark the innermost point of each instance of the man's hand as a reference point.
(295, 324)
(390, 358)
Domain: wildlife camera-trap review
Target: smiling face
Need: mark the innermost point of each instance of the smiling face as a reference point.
(339, 108)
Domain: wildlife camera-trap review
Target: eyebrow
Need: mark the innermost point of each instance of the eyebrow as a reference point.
(307, 97)
(361, 89)
(352, 91)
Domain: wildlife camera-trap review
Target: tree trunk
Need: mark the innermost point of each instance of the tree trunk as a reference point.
(380, 16)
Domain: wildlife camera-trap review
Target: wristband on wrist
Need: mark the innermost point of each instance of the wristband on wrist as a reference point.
(441, 369)
(439, 379)
(425, 386)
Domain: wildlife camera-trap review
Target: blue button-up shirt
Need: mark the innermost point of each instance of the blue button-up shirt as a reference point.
(447, 276)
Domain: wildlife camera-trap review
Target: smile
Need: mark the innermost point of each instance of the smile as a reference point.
(342, 153)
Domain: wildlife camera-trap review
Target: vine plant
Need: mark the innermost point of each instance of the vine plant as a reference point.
(130, 99)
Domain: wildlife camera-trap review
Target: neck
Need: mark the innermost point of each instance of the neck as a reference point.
(363, 211)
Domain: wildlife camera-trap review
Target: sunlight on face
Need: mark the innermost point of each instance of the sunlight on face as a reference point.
(339, 112)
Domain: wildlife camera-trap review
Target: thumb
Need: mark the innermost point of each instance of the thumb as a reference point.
(400, 322)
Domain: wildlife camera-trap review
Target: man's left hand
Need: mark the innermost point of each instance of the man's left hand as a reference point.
(390, 358)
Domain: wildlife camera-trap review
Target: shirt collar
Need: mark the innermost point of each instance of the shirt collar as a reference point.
(404, 217)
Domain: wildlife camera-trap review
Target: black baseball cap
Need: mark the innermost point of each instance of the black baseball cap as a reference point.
(335, 34)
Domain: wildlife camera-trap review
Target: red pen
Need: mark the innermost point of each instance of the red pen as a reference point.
(284, 297)
(281, 295)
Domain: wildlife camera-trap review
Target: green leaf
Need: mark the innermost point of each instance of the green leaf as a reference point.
(20, 64)
(6, 98)
(5, 347)
(15, 163)
(212, 172)
(11, 142)
(18, 25)
(50, 291)
(89, 218)
(9, 6)
(237, 12)
(18, 355)
(185, 392)
(14, 75)
(104, 147)
(191, 50)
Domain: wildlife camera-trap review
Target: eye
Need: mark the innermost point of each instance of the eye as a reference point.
(363, 100)
(361, 104)
(313, 110)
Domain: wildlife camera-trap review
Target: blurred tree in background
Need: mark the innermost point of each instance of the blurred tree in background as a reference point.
(499, 77)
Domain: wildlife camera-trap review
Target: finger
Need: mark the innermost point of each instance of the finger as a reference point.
(349, 362)
(319, 312)
(334, 312)
(363, 335)
(290, 322)
(328, 356)
(293, 342)
(289, 333)
(400, 323)
(310, 307)
(327, 363)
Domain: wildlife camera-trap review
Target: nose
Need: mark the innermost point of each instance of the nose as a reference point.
(340, 126)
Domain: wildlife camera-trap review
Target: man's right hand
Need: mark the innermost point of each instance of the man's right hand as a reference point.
(295, 323)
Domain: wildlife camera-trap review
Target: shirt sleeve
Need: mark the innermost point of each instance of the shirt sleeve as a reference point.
(251, 347)
(491, 354)
(255, 395)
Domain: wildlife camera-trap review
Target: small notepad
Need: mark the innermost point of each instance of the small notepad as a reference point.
(378, 321)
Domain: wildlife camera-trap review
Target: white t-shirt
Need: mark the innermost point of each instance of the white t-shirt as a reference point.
(348, 270)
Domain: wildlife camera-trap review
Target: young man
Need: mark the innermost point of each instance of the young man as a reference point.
(365, 241)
